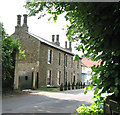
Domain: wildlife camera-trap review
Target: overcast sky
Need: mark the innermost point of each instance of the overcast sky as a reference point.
(9, 9)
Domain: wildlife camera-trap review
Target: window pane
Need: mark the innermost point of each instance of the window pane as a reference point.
(49, 77)
(49, 56)
(59, 58)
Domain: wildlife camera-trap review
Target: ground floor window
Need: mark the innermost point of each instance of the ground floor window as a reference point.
(49, 77)
(74, 79)
(58, 77)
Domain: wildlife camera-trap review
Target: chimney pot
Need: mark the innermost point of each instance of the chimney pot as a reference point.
(57, 38)
(25, 20)
(18, 20)
(70, 46)
(66, 44)
(53, 38)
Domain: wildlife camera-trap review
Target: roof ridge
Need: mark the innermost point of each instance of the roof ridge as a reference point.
(50, 43)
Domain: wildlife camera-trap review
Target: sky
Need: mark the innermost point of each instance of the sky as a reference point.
(9, 9)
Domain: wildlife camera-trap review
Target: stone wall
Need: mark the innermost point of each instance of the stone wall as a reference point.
(55, 67)
(37, 59)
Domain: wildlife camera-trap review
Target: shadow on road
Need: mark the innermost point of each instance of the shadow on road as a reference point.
(41, 104)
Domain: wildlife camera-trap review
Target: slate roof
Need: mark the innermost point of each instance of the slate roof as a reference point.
(42, 40)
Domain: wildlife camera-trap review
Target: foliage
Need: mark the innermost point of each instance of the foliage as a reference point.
(65, 86)
(84, 85)
(54, 89)
(68, 85)
(9, 49)
(77, 85)
(93, 109)
(81, 85)
(96, 28)
(73, 84)
(61, 87)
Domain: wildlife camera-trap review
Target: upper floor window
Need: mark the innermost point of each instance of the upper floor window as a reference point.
(49, 56)
(58, 77)
(66, 60)
(59, 58)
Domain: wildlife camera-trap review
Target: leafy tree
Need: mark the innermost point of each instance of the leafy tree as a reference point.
(9, 49)
(96, 27)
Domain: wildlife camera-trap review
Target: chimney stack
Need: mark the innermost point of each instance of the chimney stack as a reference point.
(53, 38)
(25, 20)
(57, 40)
(18, 20)
(25, 27)
(70, 46)
(66, 44)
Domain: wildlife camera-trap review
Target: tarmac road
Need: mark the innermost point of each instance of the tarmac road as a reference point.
(47, 102)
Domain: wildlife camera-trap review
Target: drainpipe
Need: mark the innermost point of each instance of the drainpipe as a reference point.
(64, 68)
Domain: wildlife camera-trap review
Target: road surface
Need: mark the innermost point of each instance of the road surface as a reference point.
(47, 102)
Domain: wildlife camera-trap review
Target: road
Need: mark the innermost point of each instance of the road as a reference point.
(47, 102)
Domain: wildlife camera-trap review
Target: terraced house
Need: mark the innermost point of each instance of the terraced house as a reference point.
(47, 64)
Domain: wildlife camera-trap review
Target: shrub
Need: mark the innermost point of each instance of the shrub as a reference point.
(69, 86)
(61, 87)
(73, 84)
(9, 49)
(65, 86)
(93, 109)
(79, 85)
(84, 85)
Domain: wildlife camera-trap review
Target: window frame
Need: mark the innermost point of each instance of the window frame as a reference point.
(49, 72)
(49, 56)
(59, 58)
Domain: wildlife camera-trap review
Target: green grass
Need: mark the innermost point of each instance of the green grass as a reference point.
(49, 89)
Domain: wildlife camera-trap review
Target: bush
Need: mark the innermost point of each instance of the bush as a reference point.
(9, 49)
(65, 86)
(79, 85)
(84, 85)
(92, 109)
(73, 84)
(69, 86)
(61, 87)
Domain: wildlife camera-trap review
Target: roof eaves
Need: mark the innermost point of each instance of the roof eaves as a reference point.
(49, 43)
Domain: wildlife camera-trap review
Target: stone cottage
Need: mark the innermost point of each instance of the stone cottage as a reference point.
(47, 64)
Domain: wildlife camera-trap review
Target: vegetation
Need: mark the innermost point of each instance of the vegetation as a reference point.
(65, 86)
(81, 85)
(49, 89)
(73, 84)
(9, 49)
(93, 109)
(96, 28)
(69, 86)
(77, 85)
(61, 87)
